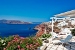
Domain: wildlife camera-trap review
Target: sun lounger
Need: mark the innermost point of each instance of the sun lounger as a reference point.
(66, 40)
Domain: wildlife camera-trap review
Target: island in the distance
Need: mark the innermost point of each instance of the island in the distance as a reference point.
(4, 21)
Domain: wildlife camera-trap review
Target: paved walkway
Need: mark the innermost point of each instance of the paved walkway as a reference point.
(60, 47)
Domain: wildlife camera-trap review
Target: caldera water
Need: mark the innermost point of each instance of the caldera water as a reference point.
(23, 30)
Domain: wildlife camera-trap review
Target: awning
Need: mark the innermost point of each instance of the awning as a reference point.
(66, 14)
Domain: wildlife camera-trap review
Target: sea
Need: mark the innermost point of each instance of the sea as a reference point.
(23, 30)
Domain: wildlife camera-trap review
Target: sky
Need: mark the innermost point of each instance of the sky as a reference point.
(33, 10)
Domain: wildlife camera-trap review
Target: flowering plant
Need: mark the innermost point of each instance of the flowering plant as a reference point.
(20, 43)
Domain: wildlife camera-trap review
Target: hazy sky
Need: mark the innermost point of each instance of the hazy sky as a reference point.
(33, 10)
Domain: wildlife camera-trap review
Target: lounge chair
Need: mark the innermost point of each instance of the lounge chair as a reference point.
(54, 35)
(66, 40)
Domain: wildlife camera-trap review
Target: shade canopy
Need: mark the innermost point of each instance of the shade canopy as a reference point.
(66, 14)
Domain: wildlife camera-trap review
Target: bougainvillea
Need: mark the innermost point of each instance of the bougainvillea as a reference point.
(20, 43)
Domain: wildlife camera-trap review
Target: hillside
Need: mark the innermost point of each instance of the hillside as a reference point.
(13, 22)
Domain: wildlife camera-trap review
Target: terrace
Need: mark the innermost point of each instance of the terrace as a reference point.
(51, 46)
(66, 21)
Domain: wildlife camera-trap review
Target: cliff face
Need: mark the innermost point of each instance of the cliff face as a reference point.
(46, 26)
(40, 29)
(13, 22)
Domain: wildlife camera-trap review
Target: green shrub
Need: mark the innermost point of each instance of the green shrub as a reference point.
(2, 43)
(7, 39)
(20, 43)
(73, 32)
(46, 36)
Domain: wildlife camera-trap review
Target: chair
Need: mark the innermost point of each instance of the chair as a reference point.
(54, 35)
(66, 40)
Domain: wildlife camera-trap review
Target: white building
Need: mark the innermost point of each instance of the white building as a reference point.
(69, 15)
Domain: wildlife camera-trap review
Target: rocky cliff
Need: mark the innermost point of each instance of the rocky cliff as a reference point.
(46, 27)
(41, 29)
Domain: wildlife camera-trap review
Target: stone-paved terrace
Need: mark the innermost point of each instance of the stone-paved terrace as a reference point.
(60, 47)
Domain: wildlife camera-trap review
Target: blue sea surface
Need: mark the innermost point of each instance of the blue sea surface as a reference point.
(23, 30)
